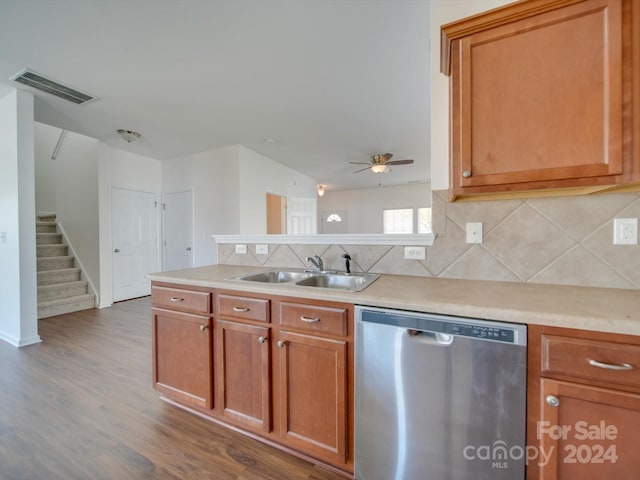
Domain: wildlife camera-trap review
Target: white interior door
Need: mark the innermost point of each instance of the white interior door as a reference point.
(178, 230)
(134, 241)
(301, 216)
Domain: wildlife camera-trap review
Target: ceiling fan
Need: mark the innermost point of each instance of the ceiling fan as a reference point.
(380, 163)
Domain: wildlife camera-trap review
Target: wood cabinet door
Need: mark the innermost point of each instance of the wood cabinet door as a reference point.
(244, 367)
(182, 357)
(539, 100)
(313, 395)
(592, 433)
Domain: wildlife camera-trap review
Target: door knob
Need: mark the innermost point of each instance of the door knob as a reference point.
(117, 250)
(188, 249)
(553, 400)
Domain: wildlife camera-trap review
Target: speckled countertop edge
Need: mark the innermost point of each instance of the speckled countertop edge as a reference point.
(599, 309)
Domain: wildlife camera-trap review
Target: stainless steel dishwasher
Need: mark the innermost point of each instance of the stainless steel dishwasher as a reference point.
(438, 397)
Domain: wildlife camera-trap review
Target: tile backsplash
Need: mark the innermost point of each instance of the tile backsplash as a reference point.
(560, 240)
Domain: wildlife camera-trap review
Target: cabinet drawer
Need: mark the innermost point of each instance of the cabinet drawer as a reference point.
(184, 300)
(246, 308)
(311, 318)
(597, 360)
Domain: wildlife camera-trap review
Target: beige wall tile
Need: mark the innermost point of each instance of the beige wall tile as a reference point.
(393, 262)
(446, 250)
(365, 256)
(284, 256)
(478, 264)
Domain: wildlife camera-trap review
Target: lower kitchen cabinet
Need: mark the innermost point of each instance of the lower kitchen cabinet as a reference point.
(243, 361)
(313, 395)
(584, 405)
(182, 357)
(279, 368)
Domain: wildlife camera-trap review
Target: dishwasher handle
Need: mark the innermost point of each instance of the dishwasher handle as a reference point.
(431, 338)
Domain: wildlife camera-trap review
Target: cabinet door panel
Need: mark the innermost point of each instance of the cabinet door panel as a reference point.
(539, 99)
(610, 421)
(244, 368)
(182, 356)
(313, 382)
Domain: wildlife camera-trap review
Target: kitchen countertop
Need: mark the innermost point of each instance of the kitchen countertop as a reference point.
(600, 309)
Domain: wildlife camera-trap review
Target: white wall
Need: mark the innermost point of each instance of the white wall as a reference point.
(18, 291)
(364, 206)
(68, 186)
(260, 175)
(442, 12)
(119, 169)
(213, 176)
(46, 138)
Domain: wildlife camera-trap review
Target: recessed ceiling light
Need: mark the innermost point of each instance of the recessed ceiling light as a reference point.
(269, 140)
(128, 135)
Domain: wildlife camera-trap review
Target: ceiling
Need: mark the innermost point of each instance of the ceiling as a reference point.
(329, 81)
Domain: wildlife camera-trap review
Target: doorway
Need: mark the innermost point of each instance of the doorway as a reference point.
(177, 211)
(134, 241)
(276, 214)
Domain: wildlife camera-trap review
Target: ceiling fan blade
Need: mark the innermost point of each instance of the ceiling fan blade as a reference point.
(361, 170)
(385, 158)
(360, 163)
(399, 162)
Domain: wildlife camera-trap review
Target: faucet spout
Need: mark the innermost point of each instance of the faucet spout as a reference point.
(316, 261)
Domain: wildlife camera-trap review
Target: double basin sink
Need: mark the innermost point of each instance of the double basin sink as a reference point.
(353, 282)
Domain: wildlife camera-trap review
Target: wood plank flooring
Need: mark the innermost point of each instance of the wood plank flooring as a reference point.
(80, 405)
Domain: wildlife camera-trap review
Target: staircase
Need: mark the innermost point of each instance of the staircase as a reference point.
(60, 286)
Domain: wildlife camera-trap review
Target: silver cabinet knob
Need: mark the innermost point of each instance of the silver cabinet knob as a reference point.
(281, 343)
(553, 400)
(203, 327)
(117, 250)
(466, 173)
(262, 339)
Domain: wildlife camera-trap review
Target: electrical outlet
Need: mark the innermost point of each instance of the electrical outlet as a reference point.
(474, 232)
(241, 249)
(625, 231)
(262, 249)
(415, 253)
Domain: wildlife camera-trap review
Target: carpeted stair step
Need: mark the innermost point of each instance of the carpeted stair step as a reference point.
(48, 238)
(60, 306)
(46, 227)
(61, 290)
(51, 251)
(53, 263)
(60, 275)
(50, 217)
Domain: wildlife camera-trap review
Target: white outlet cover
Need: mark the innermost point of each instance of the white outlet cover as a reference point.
(625, 231)
(241, 248)
(262, 249)
(415, 253)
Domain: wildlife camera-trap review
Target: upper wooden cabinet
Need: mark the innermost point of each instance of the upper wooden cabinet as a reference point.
(543, 96)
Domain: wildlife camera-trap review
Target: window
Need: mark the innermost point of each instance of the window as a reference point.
(402, 220)
(334, 217)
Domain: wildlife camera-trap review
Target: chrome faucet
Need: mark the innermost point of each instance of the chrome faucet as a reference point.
(317, 262)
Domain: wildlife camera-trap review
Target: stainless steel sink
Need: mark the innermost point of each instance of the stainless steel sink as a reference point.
(342, 281)
(275, 276)
(353, 282)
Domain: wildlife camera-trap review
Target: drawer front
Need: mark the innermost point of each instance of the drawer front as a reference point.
(312, 318)
(184, 300)
(610, 362)
(246, 308)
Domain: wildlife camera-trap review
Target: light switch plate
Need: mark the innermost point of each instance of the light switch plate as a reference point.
(474, 232)
(241, 248)
(262, 249)
(625, 231)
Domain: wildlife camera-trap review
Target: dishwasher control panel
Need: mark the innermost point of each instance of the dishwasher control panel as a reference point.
(463, 327)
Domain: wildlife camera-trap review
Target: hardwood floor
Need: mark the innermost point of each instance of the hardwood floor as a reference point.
(80, 405)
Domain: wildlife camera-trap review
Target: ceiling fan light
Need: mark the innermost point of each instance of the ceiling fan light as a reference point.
(128, 135)
(380, 168)
(320, 189)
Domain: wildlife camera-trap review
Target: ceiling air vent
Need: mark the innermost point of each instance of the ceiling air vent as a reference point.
(39, 82)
